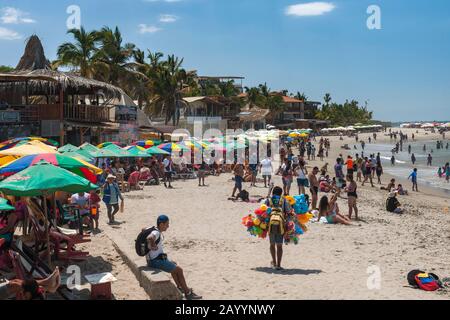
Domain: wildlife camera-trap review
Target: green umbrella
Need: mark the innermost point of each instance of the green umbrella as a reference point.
(68, 148)
(80, 154)
(43, 179)
(99, 153)
(156, 151)
(118, 151)
(89, 147)
(136, 153)
(4, 206)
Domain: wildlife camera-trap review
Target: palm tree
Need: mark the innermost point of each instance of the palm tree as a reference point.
(276, 105)
(115, 56)
(327, 99)
(169, 80)
(301, 96)
(81, 54)
(253, 96)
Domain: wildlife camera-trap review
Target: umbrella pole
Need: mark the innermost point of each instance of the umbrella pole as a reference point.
(47, 232)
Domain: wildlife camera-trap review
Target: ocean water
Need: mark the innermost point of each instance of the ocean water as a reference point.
(403, 167)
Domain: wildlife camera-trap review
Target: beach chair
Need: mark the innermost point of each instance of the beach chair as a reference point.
(123, 185)
(25, 265)
(144, 178)
(63, 245)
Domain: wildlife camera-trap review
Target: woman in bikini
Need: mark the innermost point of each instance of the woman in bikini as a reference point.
(330, 210)
(352, 197)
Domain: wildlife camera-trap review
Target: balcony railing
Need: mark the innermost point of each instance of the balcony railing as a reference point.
(36, 113)
(86, 113)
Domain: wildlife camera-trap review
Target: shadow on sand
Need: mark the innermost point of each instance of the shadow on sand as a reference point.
(287, 271)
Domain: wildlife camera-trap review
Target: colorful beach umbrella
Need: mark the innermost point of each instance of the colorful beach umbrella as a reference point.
(173, 147)
(157, 151)
(138, 152)
(145, 144)
(68, 148)
(118, 151)
(31, 147)
(105, 144)
(4, 206)
(44, 178)
(17, 141)
(77, 166)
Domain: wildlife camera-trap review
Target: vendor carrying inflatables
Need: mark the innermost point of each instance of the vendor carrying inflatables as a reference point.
(284, 219)
(279, 210)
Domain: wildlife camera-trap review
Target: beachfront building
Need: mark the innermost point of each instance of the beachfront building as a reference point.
(38, 101)
(252, 118)
(212, 112)
(298, 114)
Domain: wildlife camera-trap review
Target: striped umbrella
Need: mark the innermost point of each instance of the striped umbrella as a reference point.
(173, 147)
(77, 166)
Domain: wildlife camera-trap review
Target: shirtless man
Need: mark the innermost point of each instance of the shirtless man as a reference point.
(314, 182)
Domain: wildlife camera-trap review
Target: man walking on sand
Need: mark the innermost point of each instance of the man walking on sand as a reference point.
(314, 189)
(238, 178)
(168, 169)
(277, 223)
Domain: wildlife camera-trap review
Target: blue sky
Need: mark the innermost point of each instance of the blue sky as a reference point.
(402, 70)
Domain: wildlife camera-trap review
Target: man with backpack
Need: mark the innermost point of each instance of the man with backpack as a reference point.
(279, 211)
(150, 244)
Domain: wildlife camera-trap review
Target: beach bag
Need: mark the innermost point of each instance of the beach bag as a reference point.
(141, 244)
(422, 280)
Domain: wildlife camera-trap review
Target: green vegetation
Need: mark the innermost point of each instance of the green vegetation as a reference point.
(6, 69)
(345, 114)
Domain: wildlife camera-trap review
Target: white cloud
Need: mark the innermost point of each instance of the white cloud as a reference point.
(7, 34)
(168, 18)
(143, 29)
(14, 16)
(310, 9)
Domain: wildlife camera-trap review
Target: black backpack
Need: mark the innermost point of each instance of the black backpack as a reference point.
(141, 244)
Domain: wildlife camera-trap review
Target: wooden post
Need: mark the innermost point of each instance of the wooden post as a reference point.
(26, 93)
(47, 231)
(61, 117)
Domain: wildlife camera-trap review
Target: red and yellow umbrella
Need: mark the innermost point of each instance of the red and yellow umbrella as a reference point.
(75, 165)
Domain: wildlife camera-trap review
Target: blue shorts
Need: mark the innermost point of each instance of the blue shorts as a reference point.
(164, 265)
(302, 182)
(238, 182)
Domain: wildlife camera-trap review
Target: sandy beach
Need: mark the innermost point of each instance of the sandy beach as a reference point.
(222, 261)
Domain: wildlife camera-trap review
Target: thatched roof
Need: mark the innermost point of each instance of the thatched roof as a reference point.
(34, 68)
(43, 80)
(33, 57)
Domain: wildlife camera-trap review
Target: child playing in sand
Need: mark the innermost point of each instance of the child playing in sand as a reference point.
(94, 203)
(402, 191)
